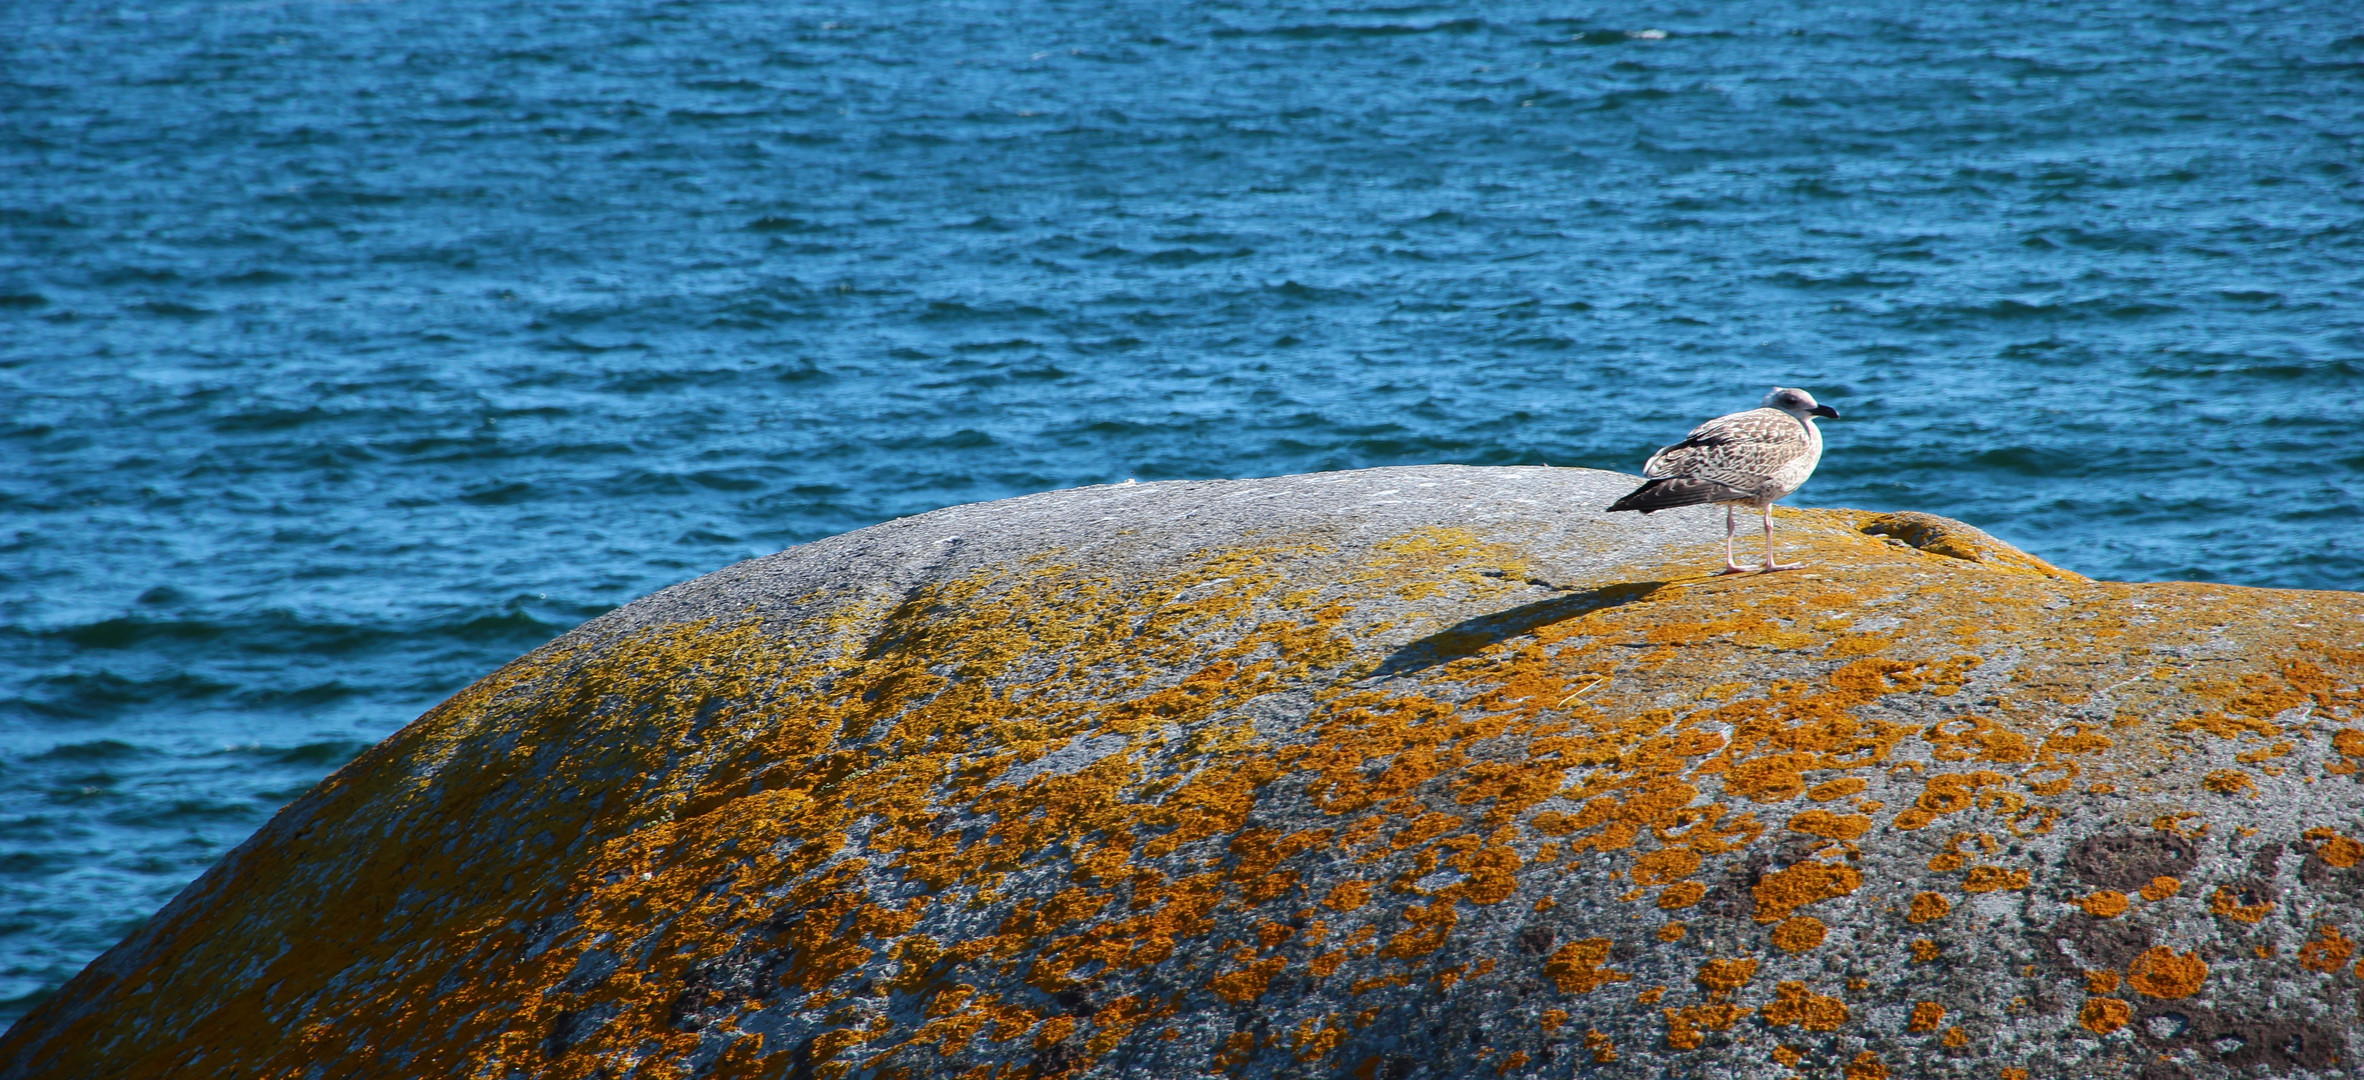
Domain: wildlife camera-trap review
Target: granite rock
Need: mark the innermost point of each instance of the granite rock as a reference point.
(1414, 772)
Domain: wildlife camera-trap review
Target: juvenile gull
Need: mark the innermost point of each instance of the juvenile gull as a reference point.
(1748, 458)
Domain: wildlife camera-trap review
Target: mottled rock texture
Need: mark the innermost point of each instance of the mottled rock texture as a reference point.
(1415, 772)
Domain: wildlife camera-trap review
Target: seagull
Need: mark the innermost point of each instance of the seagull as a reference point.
(1748, 458)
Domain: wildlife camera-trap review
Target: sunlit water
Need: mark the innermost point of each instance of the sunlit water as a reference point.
(349, 349)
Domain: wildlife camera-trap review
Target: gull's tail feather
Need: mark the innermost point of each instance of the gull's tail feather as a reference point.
(1668, 492)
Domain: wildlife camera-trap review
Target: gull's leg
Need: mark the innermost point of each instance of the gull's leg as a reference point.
(1769, 563)
(1730, 567)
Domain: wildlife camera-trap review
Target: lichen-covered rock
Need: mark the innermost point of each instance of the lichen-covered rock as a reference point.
(1410, 772)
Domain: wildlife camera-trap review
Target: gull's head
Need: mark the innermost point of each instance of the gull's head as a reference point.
(1798, 403)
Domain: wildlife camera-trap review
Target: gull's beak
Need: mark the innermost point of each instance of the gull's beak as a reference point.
(1825, 410)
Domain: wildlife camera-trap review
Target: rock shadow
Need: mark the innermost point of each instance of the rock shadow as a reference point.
(1471, 636)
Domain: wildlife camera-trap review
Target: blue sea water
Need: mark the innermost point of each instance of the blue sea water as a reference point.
(349, 349)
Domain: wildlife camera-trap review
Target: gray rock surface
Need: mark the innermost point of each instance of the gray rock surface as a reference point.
(1417, 772)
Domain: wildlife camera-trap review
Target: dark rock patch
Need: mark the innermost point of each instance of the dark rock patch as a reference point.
(2080, 942)
(2239, 1042)
(2128, 861)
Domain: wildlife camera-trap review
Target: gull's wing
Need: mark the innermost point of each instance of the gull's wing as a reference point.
(1741, 451)
(1728, 459)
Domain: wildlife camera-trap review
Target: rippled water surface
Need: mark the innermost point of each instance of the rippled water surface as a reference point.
(348, 349)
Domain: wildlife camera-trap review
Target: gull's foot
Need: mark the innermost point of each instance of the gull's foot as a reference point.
(1731, 567)
(1772, 566)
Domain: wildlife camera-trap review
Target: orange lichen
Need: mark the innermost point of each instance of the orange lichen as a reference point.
(1788, 1055)
(1769, 779)
(1672, 931)
(1830, 826)
(1604, 1049)
(1681, 895)
(2328, 950)
(1722, 978)
(1576, 967)
(1552, 1020)
(1782, 892)
(2340, 851)
(2014, 1074)
(1348, 895)
(1650, 996)
(2105, 904)
(1947, 793)
(2102, 1015)
(1925, 950)
(1315, 1038)
(1927, 1016)
(2161, 888)
(2163, 973)
(1928, 907)
(1953, 857)
(1247, 983)
(1993, 879)
(2225, 901)
(1954, 1038)
(1664, 865)
(2229, 782)
(1866, 1066)
(1795, 1006)
(2266, 753)
(1834, 790)
(1799, 934)
(1684, 1025)
(2101, 981)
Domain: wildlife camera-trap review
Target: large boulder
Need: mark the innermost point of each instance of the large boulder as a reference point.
(1416, 772)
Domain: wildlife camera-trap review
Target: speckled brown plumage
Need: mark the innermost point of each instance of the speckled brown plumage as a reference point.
(1751, 458)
